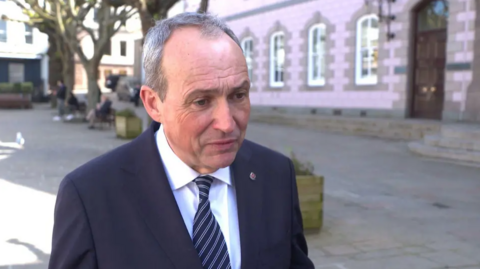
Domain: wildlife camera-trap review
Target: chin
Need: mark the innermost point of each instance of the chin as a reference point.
(223, 160)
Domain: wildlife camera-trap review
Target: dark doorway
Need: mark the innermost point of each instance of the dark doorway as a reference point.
(428, 95)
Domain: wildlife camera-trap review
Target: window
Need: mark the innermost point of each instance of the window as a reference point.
(16, 72)
(122, 72)
(28, 34)
(316, 55)
(433, 16)
(123, 48)
(277, 59)
(247, 47)
(108, 48)
(367, 50)
(3, 31)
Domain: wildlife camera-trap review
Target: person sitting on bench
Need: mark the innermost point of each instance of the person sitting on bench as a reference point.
(102, 111)
(73, 105)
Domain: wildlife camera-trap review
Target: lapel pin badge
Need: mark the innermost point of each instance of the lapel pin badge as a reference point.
(253, 176)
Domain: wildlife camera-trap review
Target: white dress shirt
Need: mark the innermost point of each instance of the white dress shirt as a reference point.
(222, 196)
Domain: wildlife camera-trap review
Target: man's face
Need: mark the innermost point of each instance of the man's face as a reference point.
(207, 107)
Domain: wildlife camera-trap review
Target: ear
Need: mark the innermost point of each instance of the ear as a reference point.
(152, 103)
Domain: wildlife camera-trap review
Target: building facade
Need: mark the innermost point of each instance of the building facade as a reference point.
(22, 49)
(343, 58)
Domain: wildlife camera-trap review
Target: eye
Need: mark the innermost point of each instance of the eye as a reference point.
(200, 102)
(240, 95)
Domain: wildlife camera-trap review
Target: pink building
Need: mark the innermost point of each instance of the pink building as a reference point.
(340, 57)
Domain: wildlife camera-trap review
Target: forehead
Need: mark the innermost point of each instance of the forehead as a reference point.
(187, 52)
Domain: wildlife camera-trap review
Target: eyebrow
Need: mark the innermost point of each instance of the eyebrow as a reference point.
(190, 95)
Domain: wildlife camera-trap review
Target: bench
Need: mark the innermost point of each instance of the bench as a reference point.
(13, 100)
(108, 119)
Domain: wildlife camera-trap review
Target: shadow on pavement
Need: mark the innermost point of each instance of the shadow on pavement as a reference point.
(42, 258)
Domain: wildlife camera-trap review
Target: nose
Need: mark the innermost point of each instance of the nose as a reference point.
(223, 118)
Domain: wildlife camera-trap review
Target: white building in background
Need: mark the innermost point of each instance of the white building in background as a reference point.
(22, 49)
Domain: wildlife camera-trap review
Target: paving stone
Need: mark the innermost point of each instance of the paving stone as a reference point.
(340, 250)
(378, 254)
(376, 245)
(401, 262)
(449, 245)
(416, 250)
(449, 258)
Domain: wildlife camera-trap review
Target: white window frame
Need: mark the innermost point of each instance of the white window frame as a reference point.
(372, 79)
(250, 55)
(320, 81)
(4, 32)
(28, 33)
(273, 83)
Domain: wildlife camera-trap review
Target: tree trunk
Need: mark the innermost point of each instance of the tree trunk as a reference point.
(55, 63)
(203, 7)
(94, 93)
(146, 20)
(68, 71)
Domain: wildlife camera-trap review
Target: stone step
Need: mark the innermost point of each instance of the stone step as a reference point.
(452, 143)
(467, 132)
(445, 153)
(382, 128)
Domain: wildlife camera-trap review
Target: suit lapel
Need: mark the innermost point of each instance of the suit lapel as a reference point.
(249, 204)
(150, 192)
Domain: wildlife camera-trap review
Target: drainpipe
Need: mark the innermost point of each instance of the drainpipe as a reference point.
(464, 86)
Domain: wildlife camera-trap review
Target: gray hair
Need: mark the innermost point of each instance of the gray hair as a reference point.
(157, 36)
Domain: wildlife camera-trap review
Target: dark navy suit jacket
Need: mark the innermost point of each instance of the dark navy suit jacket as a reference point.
(118, 211)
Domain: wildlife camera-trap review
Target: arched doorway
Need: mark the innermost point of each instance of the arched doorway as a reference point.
(431, 20)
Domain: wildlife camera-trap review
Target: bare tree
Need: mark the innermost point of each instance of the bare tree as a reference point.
(69, 21)
(152, 10)
(203, 6)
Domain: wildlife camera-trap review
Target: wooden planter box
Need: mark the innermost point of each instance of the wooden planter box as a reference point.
(310, 194)
(128, 128)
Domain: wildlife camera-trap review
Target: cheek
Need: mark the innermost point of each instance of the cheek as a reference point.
(241, 115)
(194, 125)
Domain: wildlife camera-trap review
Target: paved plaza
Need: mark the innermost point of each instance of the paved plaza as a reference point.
(385, 208)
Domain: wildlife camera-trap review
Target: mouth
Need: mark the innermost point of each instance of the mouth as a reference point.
(223, 145)
(223, 142)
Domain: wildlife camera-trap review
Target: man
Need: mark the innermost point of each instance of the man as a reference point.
(61, 96)
(189, 193)
(136, 94)
(102, 110)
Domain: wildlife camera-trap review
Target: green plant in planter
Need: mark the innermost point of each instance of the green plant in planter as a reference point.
(301, 168)
(310, 194)
(27, 87)
(127, 124)
(127, 113)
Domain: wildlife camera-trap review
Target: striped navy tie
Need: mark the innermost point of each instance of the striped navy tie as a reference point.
(207, 235)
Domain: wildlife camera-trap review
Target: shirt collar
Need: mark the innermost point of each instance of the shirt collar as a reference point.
(178, 173)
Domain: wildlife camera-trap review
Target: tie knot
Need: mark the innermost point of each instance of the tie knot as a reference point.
(204, 183)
